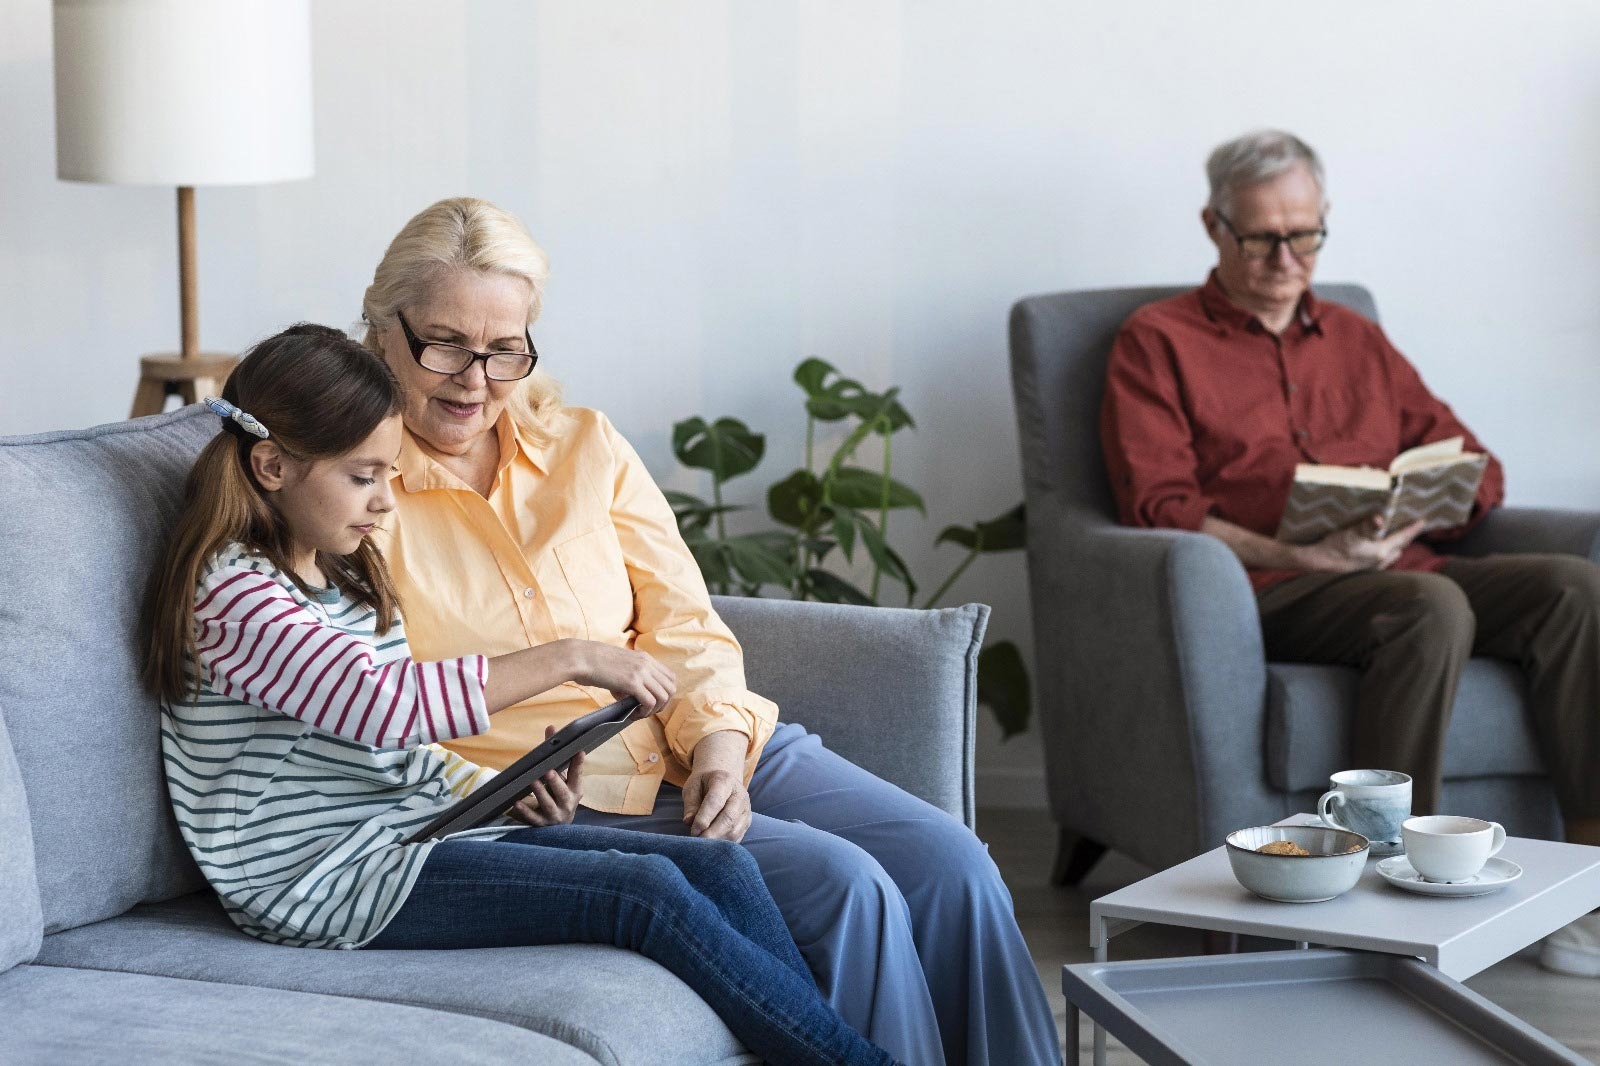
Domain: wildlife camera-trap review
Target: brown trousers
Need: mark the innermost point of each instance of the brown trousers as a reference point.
(1410, 633)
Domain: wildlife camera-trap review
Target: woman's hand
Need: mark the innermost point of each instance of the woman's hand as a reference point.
(715, 802)
(624, 673)
(555, 796)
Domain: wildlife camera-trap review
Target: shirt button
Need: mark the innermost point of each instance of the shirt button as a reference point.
(528, 593)
(1302, 433)
(653, 757)
(1293, 388)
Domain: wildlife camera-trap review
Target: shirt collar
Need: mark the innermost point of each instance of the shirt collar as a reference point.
(420, 471)
(1228, 315)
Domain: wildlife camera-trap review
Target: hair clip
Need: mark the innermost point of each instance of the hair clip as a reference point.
(243, 419)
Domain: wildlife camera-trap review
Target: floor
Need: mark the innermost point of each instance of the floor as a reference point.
(1055, 922)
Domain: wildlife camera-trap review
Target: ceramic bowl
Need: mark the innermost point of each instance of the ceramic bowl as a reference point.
(1333, 867)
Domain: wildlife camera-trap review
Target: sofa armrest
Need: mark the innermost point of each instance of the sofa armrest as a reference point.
(891, 689)
(1152, 682)
(1533, 529)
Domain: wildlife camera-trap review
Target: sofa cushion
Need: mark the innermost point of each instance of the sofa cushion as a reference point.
(889, 672)
(617, 1006)
(88, 1017)
(21, 922)
(82, 516)
(1311, 720)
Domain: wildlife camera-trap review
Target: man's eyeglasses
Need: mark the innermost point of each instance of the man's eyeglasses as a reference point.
(441, 357)
(1265, 245)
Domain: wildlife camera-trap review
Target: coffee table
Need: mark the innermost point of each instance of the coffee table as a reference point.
(1458, 936)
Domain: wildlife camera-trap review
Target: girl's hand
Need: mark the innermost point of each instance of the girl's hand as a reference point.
(624, 673)
(555, 796)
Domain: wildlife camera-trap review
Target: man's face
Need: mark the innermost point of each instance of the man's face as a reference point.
(1288, 203)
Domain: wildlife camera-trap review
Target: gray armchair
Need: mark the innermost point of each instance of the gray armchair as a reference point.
(1164, 725)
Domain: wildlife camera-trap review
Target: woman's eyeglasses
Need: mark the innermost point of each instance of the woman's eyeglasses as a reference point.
(441, 357)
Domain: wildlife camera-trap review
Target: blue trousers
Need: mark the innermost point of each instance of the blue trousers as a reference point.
(698, 907)
(897, 907)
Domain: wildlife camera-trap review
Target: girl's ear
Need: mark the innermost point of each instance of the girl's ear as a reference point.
(267, 464)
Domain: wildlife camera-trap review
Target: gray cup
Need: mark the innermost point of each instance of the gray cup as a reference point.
(1373, 803)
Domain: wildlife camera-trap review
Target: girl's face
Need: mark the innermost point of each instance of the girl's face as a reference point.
(330, 505)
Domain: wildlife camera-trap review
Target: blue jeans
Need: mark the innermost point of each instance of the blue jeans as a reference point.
(896, 906)
(697, 907)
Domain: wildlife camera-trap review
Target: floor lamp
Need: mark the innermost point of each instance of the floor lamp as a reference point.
(183, 93)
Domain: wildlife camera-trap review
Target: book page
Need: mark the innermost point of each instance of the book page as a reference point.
(1426, 455)
(1361, 477)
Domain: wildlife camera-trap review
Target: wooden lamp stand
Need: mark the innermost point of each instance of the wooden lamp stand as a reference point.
(190, 374)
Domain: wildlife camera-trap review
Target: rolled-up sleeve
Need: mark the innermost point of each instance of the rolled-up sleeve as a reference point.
(674, 620)
(1147, 438)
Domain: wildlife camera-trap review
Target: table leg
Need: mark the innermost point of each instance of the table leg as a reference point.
(1071, 1049)
(1101, 951)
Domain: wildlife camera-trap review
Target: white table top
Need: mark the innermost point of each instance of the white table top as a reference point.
(1458, 935)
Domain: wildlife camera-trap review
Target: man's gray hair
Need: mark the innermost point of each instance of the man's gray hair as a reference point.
(1258, 156)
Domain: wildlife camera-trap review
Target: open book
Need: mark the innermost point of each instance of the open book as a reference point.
(1436, 482)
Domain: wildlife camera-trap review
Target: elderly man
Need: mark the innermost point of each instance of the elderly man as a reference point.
(1214, 396)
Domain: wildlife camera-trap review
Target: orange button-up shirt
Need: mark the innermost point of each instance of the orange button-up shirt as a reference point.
(573, 540)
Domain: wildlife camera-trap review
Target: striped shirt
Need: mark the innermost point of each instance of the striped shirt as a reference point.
(304, 761)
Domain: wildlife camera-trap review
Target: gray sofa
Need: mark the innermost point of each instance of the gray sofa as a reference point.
(112, 950)
(1165, 726)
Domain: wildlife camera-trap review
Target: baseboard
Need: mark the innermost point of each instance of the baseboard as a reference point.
(1011, 789)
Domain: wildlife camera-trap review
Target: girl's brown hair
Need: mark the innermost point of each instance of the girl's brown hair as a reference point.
(319, 394)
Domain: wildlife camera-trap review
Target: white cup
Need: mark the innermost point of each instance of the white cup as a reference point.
(1446, 848)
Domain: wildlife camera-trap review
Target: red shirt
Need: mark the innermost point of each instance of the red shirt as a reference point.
(1206, 412)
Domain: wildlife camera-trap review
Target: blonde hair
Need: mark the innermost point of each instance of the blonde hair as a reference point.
(464, 233)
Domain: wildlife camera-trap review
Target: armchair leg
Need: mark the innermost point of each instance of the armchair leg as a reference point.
(1075, 857)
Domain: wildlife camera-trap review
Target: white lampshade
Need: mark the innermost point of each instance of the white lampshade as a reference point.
(183, 92)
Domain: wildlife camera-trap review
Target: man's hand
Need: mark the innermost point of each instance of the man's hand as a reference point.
(1357, 547)
(555, 796)
(715, 802)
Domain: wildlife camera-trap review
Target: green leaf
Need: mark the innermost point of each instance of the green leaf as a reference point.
(726, 447)
(713, 563)
(1004, 687)
(887, 558)
(844, 531)
(851, 486)
(796, 500)
(1005, 533)
(761, 558)
(811, 373)
(692, 512)
(830, 588)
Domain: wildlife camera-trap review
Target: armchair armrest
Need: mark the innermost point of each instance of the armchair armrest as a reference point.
(1533, 529)
(891, 689)
(1152, 682)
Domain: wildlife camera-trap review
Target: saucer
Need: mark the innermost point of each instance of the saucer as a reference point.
(1496, 874)
(1380, 848)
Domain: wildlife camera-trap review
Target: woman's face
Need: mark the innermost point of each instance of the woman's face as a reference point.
(483, 311)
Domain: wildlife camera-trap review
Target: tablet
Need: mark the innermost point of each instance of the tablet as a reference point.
(516, 781)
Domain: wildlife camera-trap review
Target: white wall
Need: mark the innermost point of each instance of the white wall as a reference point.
(727, 187)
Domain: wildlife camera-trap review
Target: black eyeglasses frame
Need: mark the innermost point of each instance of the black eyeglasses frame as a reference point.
(1321, 233)
(418, 345)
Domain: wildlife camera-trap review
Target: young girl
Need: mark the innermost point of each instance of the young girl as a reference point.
(296, 730)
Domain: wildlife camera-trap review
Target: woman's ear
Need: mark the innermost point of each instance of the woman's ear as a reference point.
(268, 466)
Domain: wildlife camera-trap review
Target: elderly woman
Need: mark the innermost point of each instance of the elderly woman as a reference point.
(520, 521)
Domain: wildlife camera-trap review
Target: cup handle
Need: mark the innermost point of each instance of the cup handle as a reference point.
(1499, 839)
(1330, 799)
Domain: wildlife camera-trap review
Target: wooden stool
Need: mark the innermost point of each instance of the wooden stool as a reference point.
(193, 379)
